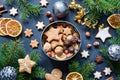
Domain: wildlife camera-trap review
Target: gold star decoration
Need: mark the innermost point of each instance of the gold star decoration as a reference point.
(26, 64)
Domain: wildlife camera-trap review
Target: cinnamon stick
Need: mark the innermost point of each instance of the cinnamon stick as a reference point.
(1, 6)
(3, 11)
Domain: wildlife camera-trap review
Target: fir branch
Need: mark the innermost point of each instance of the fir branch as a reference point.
(38, 72)
(101, 7)
(113, 64)
(35, 56)
(27, 9)
(85, 69)
(14, 50)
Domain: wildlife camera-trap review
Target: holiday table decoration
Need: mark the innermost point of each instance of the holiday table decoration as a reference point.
(8, 73)
(60, 9)
(15, 50)
(2, 10)
(112, 55)
(27, 9)
(103, 34)
(114, 52)
(114, 21)
(13, 11)
(85, 69)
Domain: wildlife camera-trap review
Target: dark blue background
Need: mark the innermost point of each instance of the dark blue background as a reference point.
(46, 62)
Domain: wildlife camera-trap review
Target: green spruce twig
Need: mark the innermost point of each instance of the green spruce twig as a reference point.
(101, 7)
(84, 69)
(27, 9)
(113, 64)
(11, 51)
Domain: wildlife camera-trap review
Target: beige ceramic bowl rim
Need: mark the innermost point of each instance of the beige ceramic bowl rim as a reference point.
(60, 21)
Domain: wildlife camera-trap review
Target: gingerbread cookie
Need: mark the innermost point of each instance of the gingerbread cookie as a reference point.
(52, 34)
(28, 32)
(107, 71)
(34, 43)
(40, 25)
(67, 31)
(56, 74)
(57, 43)
(44, 3)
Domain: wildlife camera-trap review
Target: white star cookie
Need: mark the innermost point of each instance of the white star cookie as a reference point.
(13, 11)
(97, 75)
(103, 34)
(107, 71)
(44, 3)
(40, 25)
(85, 54)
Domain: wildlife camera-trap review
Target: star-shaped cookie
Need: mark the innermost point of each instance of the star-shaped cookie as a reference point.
(28, 32)
(40, 25)
(26, 64)
(13, 11)
(107, 71)
(85, 54)
(103, 34)
(97, 75)
(67, 31)
(44, 3)
(34, 43)
(52, 34)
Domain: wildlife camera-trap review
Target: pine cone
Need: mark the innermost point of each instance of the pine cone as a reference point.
(8, 73)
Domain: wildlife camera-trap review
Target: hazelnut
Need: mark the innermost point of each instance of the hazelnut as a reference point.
(59, 50)
(51, 19)
(89, 46)
(99, 59)
(48, 13)
(87, 34)
(96, 43)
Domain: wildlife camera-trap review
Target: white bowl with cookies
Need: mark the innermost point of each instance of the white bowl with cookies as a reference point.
(60, 40)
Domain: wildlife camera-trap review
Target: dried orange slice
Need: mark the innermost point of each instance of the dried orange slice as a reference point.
(3, 25)
(14, 28)
(74, 76)
(114, 21)
(1, 34)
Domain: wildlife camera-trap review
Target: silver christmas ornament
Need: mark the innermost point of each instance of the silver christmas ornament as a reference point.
(114, 52)
(60, 9)
(8, 73)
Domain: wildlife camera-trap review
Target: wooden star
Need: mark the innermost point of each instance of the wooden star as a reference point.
(28, 32)
(26, 64)
(13, 11)
(44, 3)
(103, 34)
(34, 43)
(40, 25)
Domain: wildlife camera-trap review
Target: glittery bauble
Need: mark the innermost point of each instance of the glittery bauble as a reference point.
(8, 73)
(114, 52)
(60, 9)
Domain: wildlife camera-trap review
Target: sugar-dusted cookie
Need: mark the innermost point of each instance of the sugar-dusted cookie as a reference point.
(44, 3)
(97, 75)
(107, 71)
(85, 54)
(13, 11)
(40, 25)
